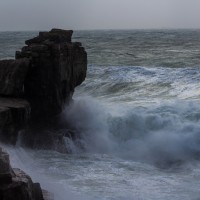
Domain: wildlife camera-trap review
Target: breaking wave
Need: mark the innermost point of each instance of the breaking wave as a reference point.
(165, 134)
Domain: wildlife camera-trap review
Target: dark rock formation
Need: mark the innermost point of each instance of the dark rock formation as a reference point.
(12, 76)
(55, 36)
(45, 74)
(6, 172)
(58, 140)
(15, 184)
(57, 66)
(14, 114)
(34, 88)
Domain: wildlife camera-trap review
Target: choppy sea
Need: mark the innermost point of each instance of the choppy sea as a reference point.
(138, 113)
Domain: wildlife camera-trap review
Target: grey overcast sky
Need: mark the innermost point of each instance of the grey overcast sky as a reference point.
(98, 14)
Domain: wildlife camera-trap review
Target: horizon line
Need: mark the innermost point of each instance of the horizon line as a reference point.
(102, 29)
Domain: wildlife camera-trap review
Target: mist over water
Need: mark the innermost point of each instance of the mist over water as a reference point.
(138, 115)
(160, 135)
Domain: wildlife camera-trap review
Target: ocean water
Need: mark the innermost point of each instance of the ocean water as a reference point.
(138, 113)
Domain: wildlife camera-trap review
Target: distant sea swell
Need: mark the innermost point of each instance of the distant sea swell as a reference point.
(163, 48)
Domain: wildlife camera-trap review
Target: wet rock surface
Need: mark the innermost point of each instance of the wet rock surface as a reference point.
(44, 76)
(57, 140)
(16, 184)
(12, 76)
(34, 88)
(14, 115)
(57, 66)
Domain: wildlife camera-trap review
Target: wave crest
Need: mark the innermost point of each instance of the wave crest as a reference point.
(164, 134)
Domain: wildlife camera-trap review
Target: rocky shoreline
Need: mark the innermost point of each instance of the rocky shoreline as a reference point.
(15, 184)
(34, 89)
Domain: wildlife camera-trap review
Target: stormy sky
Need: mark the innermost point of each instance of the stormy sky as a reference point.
(98, 14)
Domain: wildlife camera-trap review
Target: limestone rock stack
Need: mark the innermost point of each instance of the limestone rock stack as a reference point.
(56, 67)
(40, 81)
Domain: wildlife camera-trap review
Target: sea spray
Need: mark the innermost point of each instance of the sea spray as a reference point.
(145, 153)
(89, 118)
(25, 159)
(163, 134)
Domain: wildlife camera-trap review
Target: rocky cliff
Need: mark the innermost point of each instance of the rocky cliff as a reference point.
(14, 114)
(56, 67)
(34, 88)
(40, 81)
(14, 111)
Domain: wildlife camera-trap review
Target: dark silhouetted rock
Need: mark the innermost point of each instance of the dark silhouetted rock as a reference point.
(44, 73)
(55, 35)
(15, 184)
(59, 140)
(14, 114)
(38, 83)
(57, 66)
(5, 169)
(12, 76)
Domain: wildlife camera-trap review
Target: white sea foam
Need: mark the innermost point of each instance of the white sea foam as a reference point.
(165, 133)
(25, 159)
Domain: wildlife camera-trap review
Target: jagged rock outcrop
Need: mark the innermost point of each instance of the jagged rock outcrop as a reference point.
(14, 111)
(55, 36)
(35, 87)
(57, 66)
(16, 184)
(44, 76)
